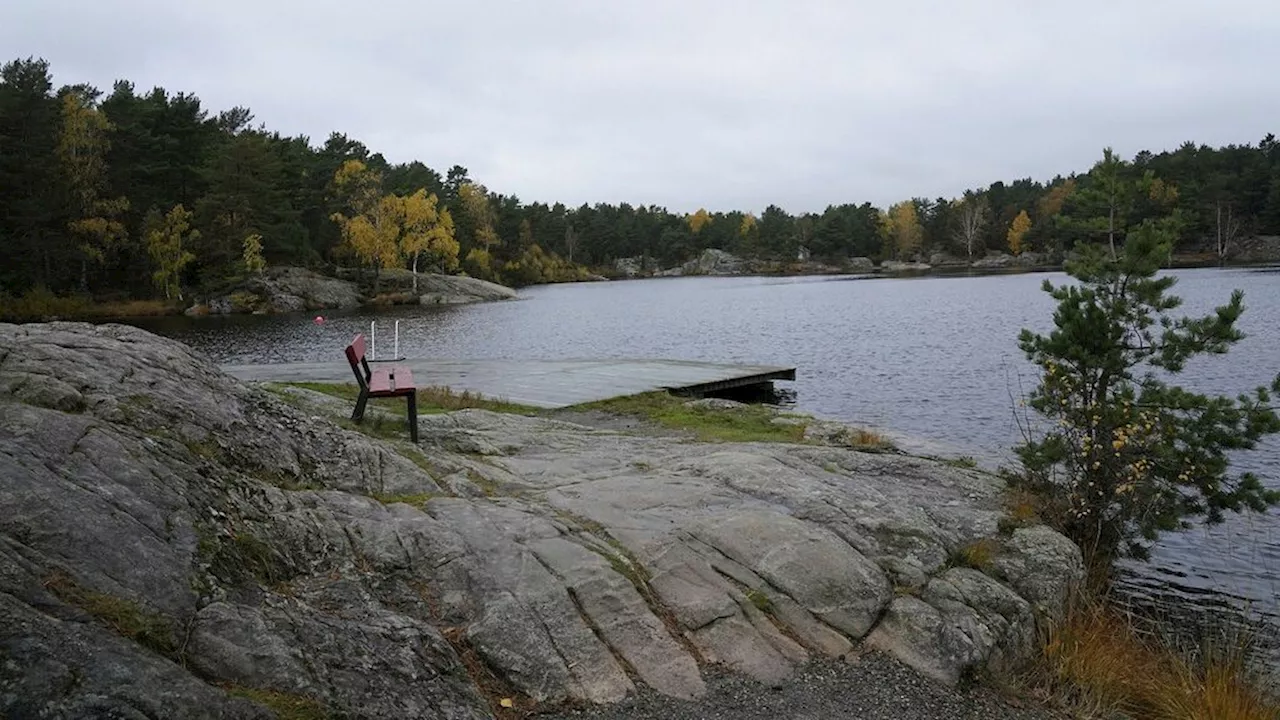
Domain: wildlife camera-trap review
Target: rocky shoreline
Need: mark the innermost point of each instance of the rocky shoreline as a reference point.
(174, 543)
(714, 262)
(293, 289)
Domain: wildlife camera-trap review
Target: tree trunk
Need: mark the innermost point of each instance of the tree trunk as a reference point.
(415, 273)
(1111, 231)
(1222, 256)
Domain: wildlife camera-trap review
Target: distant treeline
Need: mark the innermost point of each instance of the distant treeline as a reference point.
(124, 194)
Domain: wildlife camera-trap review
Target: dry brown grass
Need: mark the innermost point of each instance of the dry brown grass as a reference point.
(1101, 661)
(1023, 507)
(863, 439)
(978, 554)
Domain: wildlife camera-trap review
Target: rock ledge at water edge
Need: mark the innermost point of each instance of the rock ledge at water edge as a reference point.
(174, 543)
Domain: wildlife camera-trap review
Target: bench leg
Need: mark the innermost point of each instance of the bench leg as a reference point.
(413, 416)
(358, 414)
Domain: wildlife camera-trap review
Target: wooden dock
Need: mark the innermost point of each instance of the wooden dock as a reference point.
(543, 383)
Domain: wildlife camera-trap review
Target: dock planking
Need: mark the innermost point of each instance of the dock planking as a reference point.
(542, 383)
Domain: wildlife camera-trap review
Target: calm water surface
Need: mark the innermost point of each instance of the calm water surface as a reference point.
(925, 358)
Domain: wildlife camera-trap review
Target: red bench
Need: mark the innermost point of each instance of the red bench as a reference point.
(391, 381)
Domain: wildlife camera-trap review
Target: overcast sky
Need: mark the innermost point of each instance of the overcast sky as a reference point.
(688, 103)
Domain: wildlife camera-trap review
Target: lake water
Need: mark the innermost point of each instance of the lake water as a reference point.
(932, 358)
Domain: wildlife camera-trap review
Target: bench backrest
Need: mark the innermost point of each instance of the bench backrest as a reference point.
(359, 365)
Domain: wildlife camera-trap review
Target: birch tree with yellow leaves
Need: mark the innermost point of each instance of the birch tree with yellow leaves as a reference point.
(475, 203)
(371, 232)
(1017, 231)
(168, 238)
(698, 220)
(374, 237)
(427, 234)
(904, 232)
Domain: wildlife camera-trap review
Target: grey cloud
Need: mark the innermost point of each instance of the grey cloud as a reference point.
(687, 104)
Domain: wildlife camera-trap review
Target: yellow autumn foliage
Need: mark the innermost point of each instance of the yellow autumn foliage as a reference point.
(1017, 231)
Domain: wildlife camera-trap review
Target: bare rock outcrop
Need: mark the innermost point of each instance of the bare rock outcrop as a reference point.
(458, 290)
(176, 544)
(282, 289)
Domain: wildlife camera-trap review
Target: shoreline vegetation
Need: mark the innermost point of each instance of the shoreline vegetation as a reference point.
(39, 304)
(1100, 660)
(124, 196)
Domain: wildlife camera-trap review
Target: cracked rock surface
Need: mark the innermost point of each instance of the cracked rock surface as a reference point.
(174, 543)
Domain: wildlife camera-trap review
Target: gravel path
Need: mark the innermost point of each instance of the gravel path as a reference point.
(873, 687)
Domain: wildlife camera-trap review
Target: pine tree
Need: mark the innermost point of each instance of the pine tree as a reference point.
(1127, 454)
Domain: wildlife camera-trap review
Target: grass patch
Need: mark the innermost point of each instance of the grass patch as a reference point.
(285, 705)
(584, 523)
(243, 558)
(861, 439)
(620, 559)
(487, 486)
(1021, 509)
(282, 480)
(205, 449)
(750, 423)
(869, 439)
(964, 463)
(40, 304)
(978, 554)
(380, 425)
(1101, 661)
(633, 571)
(125, 617)
(421, 461)
(443, 398)
(761, 601)
(415, 499)
(430, 399)
(343, 391)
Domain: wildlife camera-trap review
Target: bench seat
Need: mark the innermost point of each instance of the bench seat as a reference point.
(381, 385)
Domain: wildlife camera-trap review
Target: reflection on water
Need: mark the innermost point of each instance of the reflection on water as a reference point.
(934, 361)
